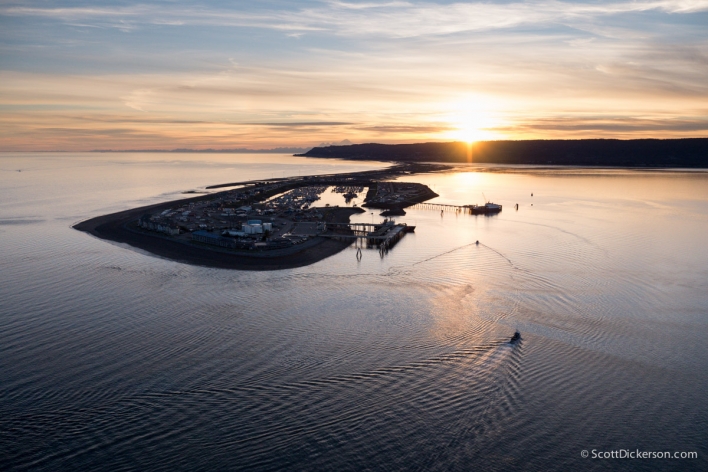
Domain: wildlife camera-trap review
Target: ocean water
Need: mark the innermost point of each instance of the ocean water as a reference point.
(112, 359)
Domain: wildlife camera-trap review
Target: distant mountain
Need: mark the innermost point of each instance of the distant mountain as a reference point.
(344, 142)
(281, 150)
(691, 152)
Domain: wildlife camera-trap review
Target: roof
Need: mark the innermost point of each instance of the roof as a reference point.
(206, 234)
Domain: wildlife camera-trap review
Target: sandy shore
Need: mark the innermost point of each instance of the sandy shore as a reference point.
(116, 227)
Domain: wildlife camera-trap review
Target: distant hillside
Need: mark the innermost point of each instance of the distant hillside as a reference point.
(280, 150)
(585, 152)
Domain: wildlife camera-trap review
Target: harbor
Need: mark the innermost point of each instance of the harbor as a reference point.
(280, 223)
(381, 236)
(272, 224)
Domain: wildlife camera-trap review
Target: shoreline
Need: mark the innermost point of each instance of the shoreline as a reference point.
(633, 153)
(113, 227)
(118, 227)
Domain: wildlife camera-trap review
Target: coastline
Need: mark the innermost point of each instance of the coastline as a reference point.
(113, 227)
(121, 226)
(632, 153)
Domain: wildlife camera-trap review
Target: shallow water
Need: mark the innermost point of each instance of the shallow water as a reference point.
(112, 359)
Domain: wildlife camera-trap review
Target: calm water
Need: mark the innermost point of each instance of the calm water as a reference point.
(111, 359)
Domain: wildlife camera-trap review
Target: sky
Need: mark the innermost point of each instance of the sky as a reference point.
(125, 75)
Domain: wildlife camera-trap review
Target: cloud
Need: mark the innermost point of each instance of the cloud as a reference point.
(407, 129)
(299, 124)
(397, 70)
(611, 124)
(391, 19)
(138, 99)
(167, 121)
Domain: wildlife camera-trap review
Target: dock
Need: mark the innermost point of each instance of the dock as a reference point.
(383, 236)
(486, 209)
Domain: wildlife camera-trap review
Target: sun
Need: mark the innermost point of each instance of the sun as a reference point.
(471, 134)
(473, 118)
(472, 127)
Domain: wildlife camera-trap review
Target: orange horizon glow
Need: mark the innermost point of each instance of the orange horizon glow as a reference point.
(124, 77)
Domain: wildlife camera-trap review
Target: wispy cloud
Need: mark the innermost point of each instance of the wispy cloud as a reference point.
(617, 126)
(389, 19)
(296, 124)
(406, 129)
(250, 74)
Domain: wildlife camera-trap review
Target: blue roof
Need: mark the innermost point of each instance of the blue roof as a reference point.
(206, 234)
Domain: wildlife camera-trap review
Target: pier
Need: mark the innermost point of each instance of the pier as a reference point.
(488, 208)
(440, 206)
(382, 236)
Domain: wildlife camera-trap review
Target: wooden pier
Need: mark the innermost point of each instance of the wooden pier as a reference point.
(465, 209)
(382, 236)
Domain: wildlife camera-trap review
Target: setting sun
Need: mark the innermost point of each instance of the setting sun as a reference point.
(470, 133)
(470, 123)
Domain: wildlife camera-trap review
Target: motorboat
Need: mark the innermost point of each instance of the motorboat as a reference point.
(515, 338)
(488, 208)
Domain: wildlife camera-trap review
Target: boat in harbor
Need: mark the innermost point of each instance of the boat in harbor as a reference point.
(488, 208)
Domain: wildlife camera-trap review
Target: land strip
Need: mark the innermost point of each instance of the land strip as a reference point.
(664, 153)
(262, 225)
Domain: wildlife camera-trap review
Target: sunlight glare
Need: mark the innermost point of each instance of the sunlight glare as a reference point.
(472, 121)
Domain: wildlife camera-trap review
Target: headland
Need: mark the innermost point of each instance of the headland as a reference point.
(266, 224)
(642, 153)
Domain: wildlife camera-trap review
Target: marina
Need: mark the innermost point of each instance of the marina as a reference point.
(266, 220)
(381, 236)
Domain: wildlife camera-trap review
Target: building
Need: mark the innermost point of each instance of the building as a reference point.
(213, 239)
(147, 222)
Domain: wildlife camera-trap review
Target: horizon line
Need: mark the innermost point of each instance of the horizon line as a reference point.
(281, 149)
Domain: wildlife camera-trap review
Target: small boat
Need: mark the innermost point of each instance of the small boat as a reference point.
(488, 208)
(515, 337)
